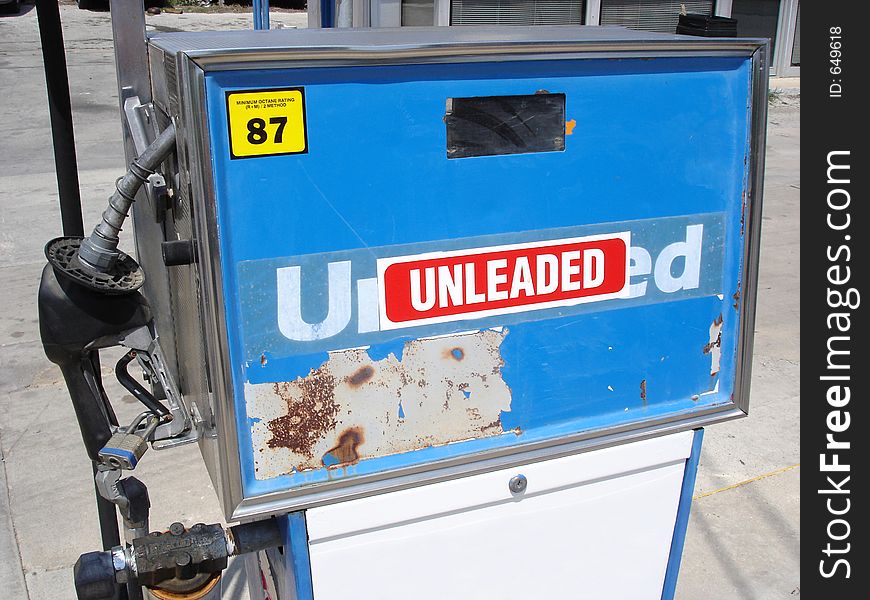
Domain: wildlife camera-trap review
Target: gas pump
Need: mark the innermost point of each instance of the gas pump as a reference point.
(446, 309)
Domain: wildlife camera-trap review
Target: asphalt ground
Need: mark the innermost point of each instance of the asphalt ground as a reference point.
(744, 531)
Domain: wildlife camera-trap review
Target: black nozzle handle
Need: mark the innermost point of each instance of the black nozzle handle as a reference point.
(74, 322)
(86, 392)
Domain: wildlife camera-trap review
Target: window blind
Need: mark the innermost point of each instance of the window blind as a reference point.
(516, 12)
(650, 15)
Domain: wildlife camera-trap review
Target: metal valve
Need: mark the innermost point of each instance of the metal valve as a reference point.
(125, 448)
(176, 563)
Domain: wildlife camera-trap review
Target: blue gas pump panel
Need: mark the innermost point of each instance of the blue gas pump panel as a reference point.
(426, 263)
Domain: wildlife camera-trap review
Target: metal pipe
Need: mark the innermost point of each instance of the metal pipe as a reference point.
(261, 14)
(107, 517)
(60, 113)
(99, 252)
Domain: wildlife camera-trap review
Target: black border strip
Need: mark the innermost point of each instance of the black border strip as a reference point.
(835, 415)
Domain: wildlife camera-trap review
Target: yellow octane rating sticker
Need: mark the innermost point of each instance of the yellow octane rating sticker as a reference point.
(267, 122)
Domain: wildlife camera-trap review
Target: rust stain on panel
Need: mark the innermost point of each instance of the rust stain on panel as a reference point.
(361, 376)
(311, 412)
(352, 408)
(456, 353)
(495, 425)
(345, 451)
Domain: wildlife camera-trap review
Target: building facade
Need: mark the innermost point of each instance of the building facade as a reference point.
(778, 20)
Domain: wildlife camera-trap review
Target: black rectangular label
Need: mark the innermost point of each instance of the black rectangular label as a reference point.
(495, 125)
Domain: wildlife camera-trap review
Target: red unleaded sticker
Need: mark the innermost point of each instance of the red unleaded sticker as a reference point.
(468, 284)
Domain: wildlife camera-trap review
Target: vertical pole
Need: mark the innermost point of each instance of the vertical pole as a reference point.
(60, 112)
(682, 523)
(261, 14)
(134, 79)
(593, 13)
(131, 68)
(327, 13)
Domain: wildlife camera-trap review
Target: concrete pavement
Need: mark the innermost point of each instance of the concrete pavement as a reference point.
(742, 540)
(744, 532)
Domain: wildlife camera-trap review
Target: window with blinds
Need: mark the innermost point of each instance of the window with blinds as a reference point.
(516, 12)
(650, 15)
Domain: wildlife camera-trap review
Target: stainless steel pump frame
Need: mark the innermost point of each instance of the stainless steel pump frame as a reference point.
(194, 56)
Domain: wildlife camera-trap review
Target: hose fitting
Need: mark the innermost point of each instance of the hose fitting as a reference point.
(99, 252)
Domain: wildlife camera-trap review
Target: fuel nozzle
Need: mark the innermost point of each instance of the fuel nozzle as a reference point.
(95, 261)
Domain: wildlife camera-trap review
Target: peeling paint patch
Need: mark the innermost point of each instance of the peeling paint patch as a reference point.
(569, 126)
(351, 408)
(714, 346)
(643, 391)
(714, 391)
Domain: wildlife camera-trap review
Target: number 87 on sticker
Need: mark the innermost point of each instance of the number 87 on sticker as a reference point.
(266, 122)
